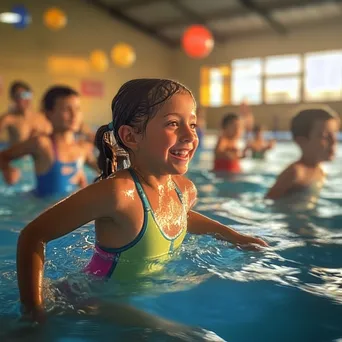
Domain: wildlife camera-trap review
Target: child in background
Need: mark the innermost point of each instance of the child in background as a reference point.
(258, 145)
(314, 131)
(20, 121)
(200, 131)
(227, 150)
(201, 126)
(58, 158)
(141, 214)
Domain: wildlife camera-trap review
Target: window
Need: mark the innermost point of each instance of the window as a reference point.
(323, 76)
(216, 80)
(282, 90)
(246, 81)
(283, 65)
(283, 79)
(215, 87)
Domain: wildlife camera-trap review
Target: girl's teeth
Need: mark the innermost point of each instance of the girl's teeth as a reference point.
(180, 153)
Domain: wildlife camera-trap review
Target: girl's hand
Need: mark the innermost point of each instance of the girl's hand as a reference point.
(272, 143)
(251, 243)
(11, 175)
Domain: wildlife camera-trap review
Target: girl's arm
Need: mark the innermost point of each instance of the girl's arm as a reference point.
(244, 152)
(246, 149)
(82, 179)
(11, 174)
(270, 144)
(61, 219)
(200, 224)
(4, 122)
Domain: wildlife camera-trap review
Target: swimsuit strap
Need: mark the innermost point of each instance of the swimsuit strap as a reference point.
(54, 148)
(142, 194)
(179, 193)
(140, 189)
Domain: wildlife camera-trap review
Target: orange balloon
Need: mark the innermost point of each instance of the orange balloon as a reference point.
(123, 55)
(55, 19)
(99, 60)
(197, 41)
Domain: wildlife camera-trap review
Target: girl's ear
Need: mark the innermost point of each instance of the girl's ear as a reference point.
(130, 137)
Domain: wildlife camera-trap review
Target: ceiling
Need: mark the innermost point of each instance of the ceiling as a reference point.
(166, 20)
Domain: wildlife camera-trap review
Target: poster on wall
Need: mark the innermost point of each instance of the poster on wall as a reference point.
(92, 88)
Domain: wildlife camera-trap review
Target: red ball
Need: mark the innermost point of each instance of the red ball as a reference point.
(197, 41)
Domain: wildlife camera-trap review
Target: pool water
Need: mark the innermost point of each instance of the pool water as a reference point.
(291, 292)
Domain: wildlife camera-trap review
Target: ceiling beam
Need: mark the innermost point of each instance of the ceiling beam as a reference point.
(296, 26)
(265, 14)
(135, 3)
(187, 12)
(154, 31)
(193, 18)
(230, 13)
(117, 14)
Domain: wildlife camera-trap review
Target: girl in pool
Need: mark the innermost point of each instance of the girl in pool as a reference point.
(227, 153)
(142, 213)
(59, 157)
(258, 145)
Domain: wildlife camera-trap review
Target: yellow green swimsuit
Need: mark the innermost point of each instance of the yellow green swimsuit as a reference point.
(145, 254)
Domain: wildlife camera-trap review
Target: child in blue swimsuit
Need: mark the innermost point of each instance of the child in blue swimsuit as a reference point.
(58, 158)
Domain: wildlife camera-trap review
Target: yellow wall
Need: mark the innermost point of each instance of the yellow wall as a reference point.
(314, 39)
(25, 54)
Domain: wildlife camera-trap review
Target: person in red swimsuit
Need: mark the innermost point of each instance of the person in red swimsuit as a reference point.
(227, 151)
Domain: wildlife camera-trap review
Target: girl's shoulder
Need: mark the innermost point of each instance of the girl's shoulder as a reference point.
(182, 182)
(85, 145)
(120, 181)
(117, 191)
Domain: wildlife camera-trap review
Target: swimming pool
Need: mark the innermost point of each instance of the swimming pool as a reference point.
(292, 292)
